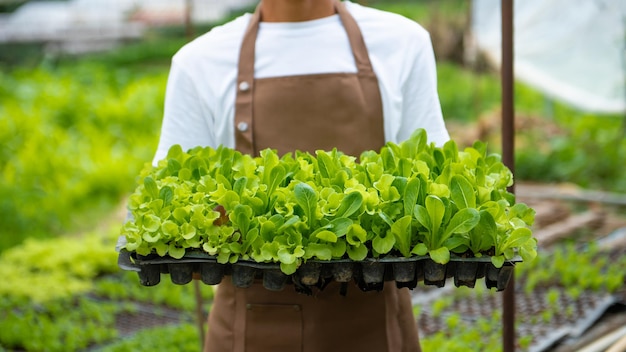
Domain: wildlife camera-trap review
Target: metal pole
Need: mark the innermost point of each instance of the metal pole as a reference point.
(623, 133)
(189, 31)
(508, 146)
(199, 312)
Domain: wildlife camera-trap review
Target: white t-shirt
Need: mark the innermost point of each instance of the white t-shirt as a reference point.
(201, 88)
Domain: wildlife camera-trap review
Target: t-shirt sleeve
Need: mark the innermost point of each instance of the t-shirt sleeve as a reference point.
(422, 108)
(185, 120)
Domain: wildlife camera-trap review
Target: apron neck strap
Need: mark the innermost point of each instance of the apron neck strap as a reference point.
(246, 52)
(359, 50)
(357, 44)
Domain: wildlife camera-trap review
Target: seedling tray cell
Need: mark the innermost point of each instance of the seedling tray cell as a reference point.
(211, 273)
(308, 274)
(404, 271)
(498, 277)
(243, 275)
(180, 273)
(342, 271)
(369, 274)
(466, 274)
(434, 273)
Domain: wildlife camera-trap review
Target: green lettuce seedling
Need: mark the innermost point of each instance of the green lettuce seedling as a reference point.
(409, 198)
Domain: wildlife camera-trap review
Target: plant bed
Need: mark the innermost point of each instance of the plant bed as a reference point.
(409, 213)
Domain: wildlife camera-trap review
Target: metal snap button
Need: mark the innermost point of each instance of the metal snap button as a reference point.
(244, 86)
(242, 126)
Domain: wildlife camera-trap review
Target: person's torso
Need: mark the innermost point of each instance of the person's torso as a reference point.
(320, 46)
(307, 112)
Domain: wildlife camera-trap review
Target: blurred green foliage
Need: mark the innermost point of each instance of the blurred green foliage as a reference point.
(572, 146)
(65, 266)
(74, 140)
(125, 286)
(595, 271)
(176, 338)
(66, 294)
(62, 325)
(484, 334)
(43, 306)
(466, 94)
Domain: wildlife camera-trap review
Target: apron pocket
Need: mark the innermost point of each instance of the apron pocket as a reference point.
(273, 327)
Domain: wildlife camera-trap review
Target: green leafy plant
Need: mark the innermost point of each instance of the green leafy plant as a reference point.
(407, 199)
(71, 147)
(65, 266)
(178, 338)
(85, 294)
(591, 272)
(68, 324)
(59, 317)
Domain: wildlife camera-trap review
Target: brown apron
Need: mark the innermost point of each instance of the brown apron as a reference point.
(310, 112)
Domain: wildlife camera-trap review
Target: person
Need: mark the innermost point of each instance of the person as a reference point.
(305, 75)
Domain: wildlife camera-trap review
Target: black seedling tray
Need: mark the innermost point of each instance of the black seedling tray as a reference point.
(369, 274)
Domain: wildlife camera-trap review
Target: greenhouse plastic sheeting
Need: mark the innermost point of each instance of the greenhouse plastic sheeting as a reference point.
(571, 50)
(103, 19)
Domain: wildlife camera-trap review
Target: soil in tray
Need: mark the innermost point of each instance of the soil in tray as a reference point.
(498, 277)
(149, 275)
(404, 271)
(371, 276)
(374, 281)
(373, 272)
(274, 280)
(434, 273)
(465, 274)
(181, 274)
(308, 274)
(342, 272)
(212, 273)
(243, 276)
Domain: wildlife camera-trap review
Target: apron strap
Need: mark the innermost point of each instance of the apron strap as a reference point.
(244, 123)
(245, 86)
(359, 50)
